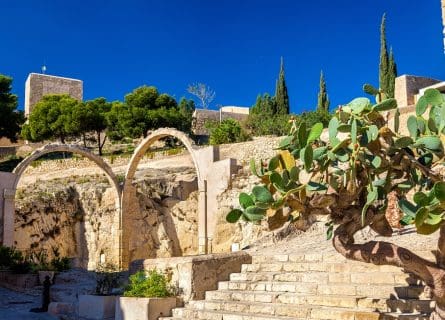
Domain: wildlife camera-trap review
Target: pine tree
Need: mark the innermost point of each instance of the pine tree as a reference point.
(323, 99)
(281, 96)
(384, 61)
(392, 74)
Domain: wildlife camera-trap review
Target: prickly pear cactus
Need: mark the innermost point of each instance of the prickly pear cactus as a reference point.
(354, 170)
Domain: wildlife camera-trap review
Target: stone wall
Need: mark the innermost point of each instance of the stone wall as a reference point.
(406, 87)
(78, 216)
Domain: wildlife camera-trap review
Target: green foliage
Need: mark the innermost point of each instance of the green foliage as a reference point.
(52, 118)
(145, 109)
(9, 257)
(107, 278)
(228, 131)
(9, 163)
(12, 259)
(310, 118)
(281, 95)
(323, 99)
(350, 175)
(153, 285)
(10, 118)
(261, 125)
(387, 65)
(91, 116)
(265, 106)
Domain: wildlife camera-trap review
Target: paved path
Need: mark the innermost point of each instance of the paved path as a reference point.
(16, 306)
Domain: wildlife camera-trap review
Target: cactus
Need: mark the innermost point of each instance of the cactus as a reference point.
(350, 175)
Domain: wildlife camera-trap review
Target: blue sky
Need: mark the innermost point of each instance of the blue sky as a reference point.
(234, 46)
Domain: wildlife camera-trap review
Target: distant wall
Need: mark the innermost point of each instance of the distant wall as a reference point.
(406, 87)
(6, 151)
(201, 116)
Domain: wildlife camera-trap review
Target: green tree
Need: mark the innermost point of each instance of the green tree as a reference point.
(115, 131)
(265, 105)
(384, 59)
(186, 108)
(135, 121)
(323, 99)
(52, 118)
(281, 96)
(387, 65)
(392, 74)
(91, 117)
(310, 118)
(228, 131)
(10, 118)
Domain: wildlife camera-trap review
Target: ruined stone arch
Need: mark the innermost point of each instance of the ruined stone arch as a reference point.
(129, 205)
(8, 229)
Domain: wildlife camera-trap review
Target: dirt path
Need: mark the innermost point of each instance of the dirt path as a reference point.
(168, 162)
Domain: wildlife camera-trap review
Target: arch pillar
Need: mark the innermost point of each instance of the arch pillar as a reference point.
(202, 159)
(7, 195)
(9, 182)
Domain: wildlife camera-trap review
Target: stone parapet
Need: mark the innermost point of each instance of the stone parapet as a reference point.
(194, 275)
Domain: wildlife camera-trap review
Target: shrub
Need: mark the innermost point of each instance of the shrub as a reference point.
(107, 278)
(228, 131)
(155, 284)
(9, 257)
(263, 125)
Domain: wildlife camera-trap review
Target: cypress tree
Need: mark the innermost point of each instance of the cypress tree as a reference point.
(384, 61)
(281, 96)
(323, 99)
(392, 74)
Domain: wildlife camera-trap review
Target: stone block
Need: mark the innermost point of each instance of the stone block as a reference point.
(60, 309)
(194, 275)
(93, 307)
(129, 308)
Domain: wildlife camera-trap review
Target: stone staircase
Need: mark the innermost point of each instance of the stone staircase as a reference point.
(311, 286)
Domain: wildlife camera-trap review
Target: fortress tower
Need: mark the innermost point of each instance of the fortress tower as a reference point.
(37, 85)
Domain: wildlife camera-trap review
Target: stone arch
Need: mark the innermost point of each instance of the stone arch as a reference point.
(57, 147)
(128, 202)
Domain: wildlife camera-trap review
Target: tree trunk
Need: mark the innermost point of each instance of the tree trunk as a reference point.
(385, 253)
(99, 144)
(84, 139)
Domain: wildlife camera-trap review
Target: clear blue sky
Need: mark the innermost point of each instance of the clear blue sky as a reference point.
(234, 46)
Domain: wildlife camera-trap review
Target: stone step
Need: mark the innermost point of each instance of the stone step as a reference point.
(360, 303)
(324, 277)
(365, 290)
(316, 266)
(312, 314)
(315, 257)
(386, 316)
(184, 313)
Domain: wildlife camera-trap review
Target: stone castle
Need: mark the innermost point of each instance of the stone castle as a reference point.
(38, 85)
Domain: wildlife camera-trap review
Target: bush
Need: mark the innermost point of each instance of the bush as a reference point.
(264, 125)
(107, 278)
(228, 131)
(9, 257)
(61, 264)
(153, 285)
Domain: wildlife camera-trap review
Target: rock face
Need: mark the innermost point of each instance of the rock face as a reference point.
(76, 215)
(77, 218)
